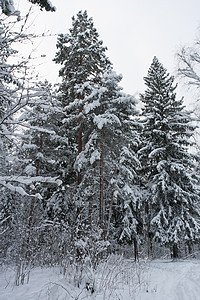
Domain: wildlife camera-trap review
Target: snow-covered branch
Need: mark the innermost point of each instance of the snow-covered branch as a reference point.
(8, 182)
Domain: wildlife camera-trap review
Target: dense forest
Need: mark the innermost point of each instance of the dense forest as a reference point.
(85, 173)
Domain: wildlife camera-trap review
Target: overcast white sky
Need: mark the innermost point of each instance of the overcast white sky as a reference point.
(133, 30)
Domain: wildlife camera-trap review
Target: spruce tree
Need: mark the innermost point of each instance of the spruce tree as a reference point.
(171, 208)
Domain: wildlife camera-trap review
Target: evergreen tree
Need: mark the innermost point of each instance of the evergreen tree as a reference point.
(109, 152)
(82, 55)
(97, 122)
(172, 214)
(83, 61)
(116, 129)
(83, 58)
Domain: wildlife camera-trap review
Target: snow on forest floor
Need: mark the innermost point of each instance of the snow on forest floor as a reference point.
(117, 279)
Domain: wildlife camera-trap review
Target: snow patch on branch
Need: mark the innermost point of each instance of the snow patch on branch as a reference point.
(8, 8)
(105, 119)
(29, 180)
(6, 182)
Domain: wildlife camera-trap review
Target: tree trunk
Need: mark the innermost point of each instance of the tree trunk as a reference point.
(190, 247)
(80, 134)
(34, 191)
(101, 202)
(175, 252)
(135, 244)
(110, 214)
(80, 146)
(150, 246)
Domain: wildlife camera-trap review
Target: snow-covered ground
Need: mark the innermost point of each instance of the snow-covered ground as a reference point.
(117, 279)
(172, 281)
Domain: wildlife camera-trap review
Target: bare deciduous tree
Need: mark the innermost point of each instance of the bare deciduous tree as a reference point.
(189, 61)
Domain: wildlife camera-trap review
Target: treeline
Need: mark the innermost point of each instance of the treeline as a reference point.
(83, 172)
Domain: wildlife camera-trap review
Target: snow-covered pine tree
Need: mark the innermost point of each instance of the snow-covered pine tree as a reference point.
(108, 160)
(83, 58)
(83, 61)
(116, 118)
(171, 208)
(96, 120)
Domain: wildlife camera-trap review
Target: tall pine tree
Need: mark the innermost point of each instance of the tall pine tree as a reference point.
(172, 215)
(97, 122)
(83, 58)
